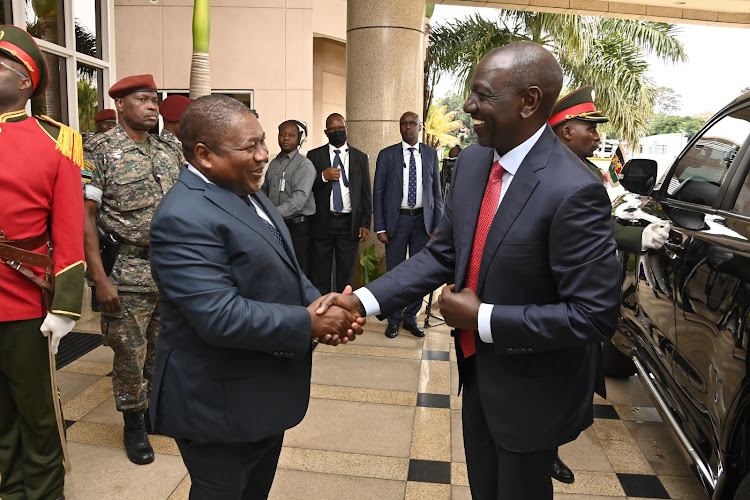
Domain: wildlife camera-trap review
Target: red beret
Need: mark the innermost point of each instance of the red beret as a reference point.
(105, 114)
(130, 84)
(173, 106)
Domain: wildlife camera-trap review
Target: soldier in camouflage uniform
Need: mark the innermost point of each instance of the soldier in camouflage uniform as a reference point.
(131, 170)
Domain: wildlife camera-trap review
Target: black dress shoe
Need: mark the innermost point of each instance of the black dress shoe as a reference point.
(561, 472)
(391, 331)
(414, 329)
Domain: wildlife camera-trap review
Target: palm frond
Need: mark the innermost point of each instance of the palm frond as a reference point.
(659, 39)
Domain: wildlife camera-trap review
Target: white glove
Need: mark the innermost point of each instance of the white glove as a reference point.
(654, 236)
(57, 325)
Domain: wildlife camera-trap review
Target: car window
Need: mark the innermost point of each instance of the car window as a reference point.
(702, 168)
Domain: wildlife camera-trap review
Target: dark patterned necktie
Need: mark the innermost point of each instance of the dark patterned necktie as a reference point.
(411, 198)
(275, 232)
(338, 199)
(486, 214)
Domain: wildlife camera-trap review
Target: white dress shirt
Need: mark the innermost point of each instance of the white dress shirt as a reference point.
(510, 162)
(260, 211)
(344, 155)
(405, 166)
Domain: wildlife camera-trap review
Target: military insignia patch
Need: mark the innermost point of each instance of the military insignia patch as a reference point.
(89, 165)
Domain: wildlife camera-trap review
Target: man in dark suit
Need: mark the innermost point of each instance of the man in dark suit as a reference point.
(343, 201)
(407, 206)
(536, 280)
(233, 362)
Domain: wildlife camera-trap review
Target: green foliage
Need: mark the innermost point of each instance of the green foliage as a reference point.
(689, 125)
(370, 264)
(606, 53)
(438, 127)
(455, 103)
(88, 101)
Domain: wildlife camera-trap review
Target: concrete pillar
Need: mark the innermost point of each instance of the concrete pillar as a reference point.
(384, 75)
(384, 70)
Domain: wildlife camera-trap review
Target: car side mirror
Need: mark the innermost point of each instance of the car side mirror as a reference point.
(639, 175)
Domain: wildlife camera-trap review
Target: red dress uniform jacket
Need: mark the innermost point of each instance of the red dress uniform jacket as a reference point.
(40, 190)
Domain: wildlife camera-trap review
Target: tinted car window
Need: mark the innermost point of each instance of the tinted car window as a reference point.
(702, 168)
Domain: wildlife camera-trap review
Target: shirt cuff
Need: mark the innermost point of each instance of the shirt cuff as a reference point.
(368, 300)
(378, 232)
(93, 193)
(323, 177)
(484, 322)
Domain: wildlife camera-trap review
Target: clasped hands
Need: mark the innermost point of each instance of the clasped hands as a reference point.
(339, 321)
(459, 309)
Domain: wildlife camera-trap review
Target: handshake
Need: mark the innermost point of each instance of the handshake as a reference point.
(336, 318)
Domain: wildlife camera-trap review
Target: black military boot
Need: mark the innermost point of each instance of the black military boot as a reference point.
(136, 441)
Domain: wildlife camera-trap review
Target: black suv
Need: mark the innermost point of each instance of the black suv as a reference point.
(685, 315)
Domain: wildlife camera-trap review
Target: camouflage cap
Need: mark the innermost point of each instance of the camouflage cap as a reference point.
(20, 46)
(579, 104)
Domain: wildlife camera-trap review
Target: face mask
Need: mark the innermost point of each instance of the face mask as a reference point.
(337, 138)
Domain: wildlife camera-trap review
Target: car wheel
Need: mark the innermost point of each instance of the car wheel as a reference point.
(616, 364)
(743, 491)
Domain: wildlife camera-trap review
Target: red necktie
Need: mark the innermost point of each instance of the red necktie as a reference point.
(486, 214)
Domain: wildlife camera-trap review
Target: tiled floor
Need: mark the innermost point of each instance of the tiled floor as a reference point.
(384, 423)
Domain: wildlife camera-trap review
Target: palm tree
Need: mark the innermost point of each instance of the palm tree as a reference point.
(603, 52)
(88, 100)
(200, 71)
(437, 126)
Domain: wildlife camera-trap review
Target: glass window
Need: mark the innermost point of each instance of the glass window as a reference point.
(87, 15)
(45, 20)
(6, 12)
(90, 96)
(53, 102)
(702, 169)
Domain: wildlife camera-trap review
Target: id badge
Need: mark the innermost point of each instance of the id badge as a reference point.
(282, 185)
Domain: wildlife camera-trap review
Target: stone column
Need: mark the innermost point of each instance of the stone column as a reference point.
(384, 69)
(384, 74)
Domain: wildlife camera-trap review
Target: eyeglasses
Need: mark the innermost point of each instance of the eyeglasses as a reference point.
(409, 124)
(13, 70)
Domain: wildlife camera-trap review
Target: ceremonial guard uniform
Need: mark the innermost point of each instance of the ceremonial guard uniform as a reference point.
(579, 106)
(128, 180)
(41, 213)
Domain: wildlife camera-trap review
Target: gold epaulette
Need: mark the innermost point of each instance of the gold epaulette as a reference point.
(69, 142)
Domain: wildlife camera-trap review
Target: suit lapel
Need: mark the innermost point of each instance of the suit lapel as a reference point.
(426, 176)
(398, 152)
(513, 202)
(518, 194)
(470, 203)
(234, 206)
(273, 214)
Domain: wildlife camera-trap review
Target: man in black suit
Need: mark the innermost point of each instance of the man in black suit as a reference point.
(535, 279)
(407, 205)
(233, 362)
(343, 201)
